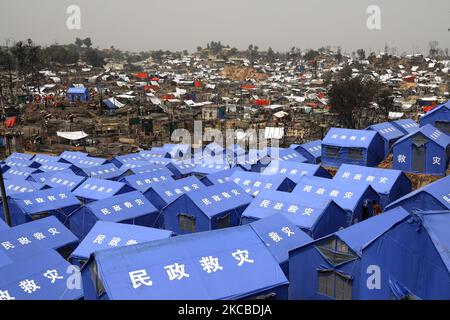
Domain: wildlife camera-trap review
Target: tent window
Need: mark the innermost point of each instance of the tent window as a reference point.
(40, 215)
(332, 152)
(444, 126)
(224, 221)
(355, 153)
(335, 251)
(186, 222)
(419, 140)
(333, 285)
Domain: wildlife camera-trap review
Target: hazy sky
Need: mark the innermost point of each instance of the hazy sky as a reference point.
(184, 24)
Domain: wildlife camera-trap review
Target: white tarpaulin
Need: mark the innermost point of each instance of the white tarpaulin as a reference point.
(76, 135)
(274, 133)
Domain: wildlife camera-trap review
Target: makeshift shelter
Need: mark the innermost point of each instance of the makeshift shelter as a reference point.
(19, 156)
(332, 267)
(214, 207)
(426, 150)
(58, 166)
(434, 196)
(41, 159)
(130, 208)
(182, 168)
(28, 206)
(13, 186)
(222, 264)
(219, 177)
(20, 173)
(107, 235)
(105, 171)
(119, 161)
(389, 184)
(210, 167)
(150, 168)
(311, 150)
(295, 170)
(77, 94)
(143, 182)
(113, 104)
(280, 235)
(18, 163)
(253, 182)
(93, 189)
(361, 147)
(406, 125)
(71, 156)
(39, 277)
(88, 162)
(315, 216)
(359, 200)
(439, 117)
(64, 179)
(389, 133)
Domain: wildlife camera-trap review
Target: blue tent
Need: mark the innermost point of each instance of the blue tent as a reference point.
(253, 182)
(155, 153)
(283, 154)
(13, 186)
(254, 160)
(424, 151)
(40, 159)
(20, 173)
(296, 170)
(235, 150)
(77, 94)
(316, 216)
(28, 206)
(280, 236)
(331, 267)
(128, 158)
(143, 182)
(158, 161)
(163, 194)
(359, 200)
(389, 184)
(439, 117)
(41, 177)
(17, 163)
(46, 233)
(58, 166)
(93, 189)
(64, 179)
(20, 156)
(210, 167)
(219, 177)
(87, 162)
(68, 156)
(182, 168)
(178, 151)
(389, 133)
(213, 149)
(224, 264)
(107, 235)
(161, 169)
(311, 150)
(406, 125)
(435, 196)
(105, 171)
(43, 276)
(209, 208)
(131, 208)
(361, 147)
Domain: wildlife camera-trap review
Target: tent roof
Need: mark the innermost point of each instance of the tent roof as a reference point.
(431, 133)
(234, 279)
(100, 236)
(34, 268)
(409, 125)
(221, 176)
(86, 162)
(55, 166)
(20, 172)
(104, 171)
(387, 130)
(64, 179)
(381, 180)
(77, 90)
(45, 200)
(13, 186)
(121, 207)
(98, 189)
(184, 166)
(170, 191)
(20, 156)
(313, 147)
(284, 154)
(253, 182)
(351, 138)
(210, 166)
(292, 170)
(43, 158)
(145, 181)
(15, 162)
(161, 169)
(41, 177)
(362, 234)
(437, 109)
(219, 198)
(72, 155)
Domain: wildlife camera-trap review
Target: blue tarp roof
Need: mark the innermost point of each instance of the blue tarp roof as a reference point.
(64, 179)
(233, 278)
(161, 161)
(184, 167)
(437, 109)
(131, 164)
(14, 162)
(154, 153)
(210, 167)
(20, 156)
(72, 155)
(221, 176)
(98, 189)
(253, 182)
(55, 166)
(235, 149)
(121, 207)
(161, 169)
(104, 171)
(280, 236)
(284, 154)
(408, 125)
(20, 172)
(432, 133)
(13, 186)
(292, 170)
(304, 212)
(213, 148)
(177, 150)
(438, 189)
(345, 194)
(219, 198)
(107, 235)
(45, 200)
(77, 90)
(381, 180)
(48, 233)
(88, 162)
(387, 130)
(350, 138)
(313, 147)
(41, 177)
(145, 181)
(362, 234)
(43, 158)
(132, 157)
(170, 191)
(39, 277)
